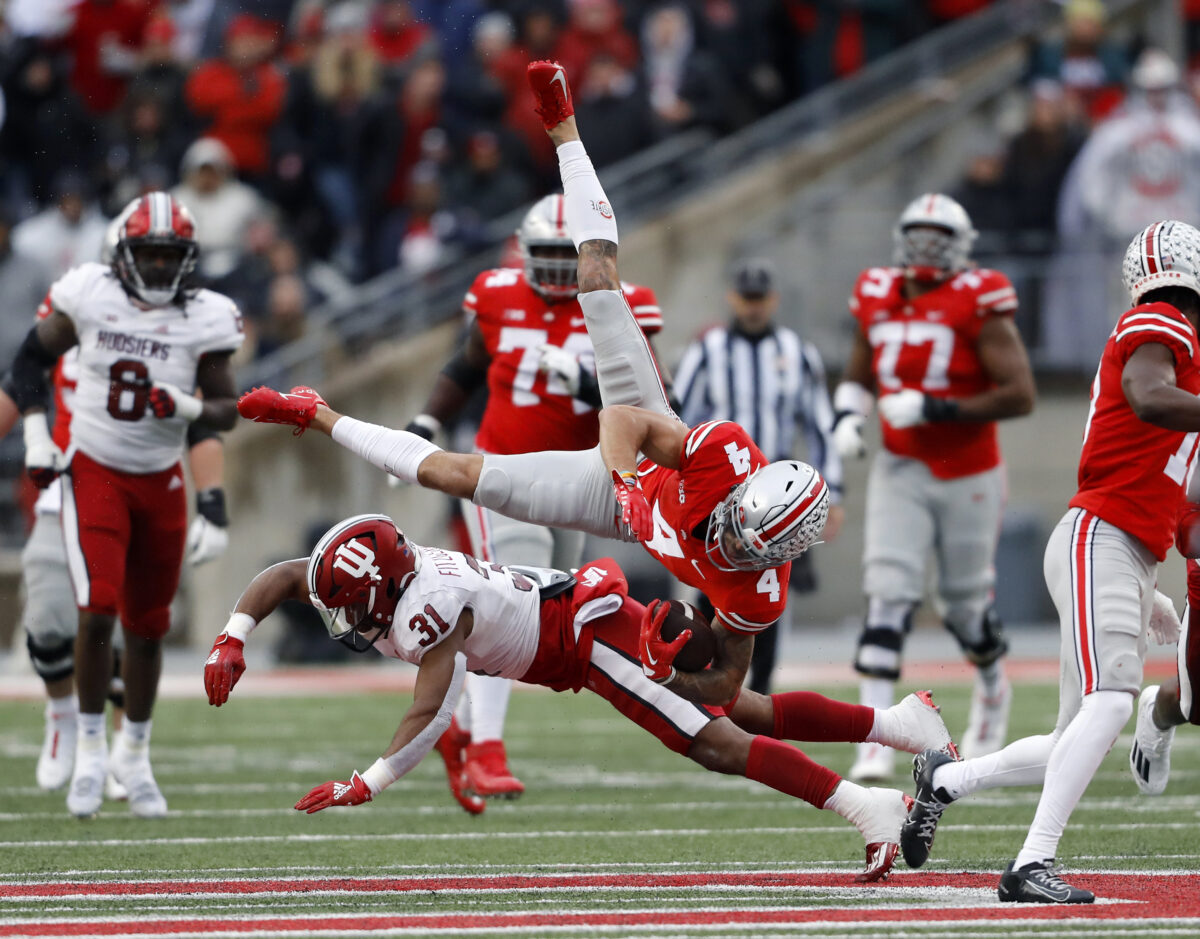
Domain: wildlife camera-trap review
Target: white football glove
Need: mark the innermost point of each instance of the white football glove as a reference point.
(1164, 621)
(848, 437)
(43, 459)
(903, 409)
(205, 541)
(559, 363)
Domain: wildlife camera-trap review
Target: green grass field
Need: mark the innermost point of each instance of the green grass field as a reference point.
(615, 835)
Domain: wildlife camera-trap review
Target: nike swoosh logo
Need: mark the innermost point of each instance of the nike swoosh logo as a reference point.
(561, 79)
(696, 564)
(650, 657)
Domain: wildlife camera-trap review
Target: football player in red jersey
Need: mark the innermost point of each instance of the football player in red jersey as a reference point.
(448, 613)
(1101, 562)
(146, 340)
(704, 502)
(937, 343)
(527, 341)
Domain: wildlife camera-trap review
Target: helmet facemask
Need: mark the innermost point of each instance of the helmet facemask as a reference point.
(154, 269)
(928, 253)
(552, 270)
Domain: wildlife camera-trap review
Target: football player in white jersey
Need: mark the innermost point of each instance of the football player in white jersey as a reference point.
(449, 613)
(146, 342)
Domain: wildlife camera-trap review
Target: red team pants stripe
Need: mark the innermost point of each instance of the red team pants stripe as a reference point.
(1084, 610)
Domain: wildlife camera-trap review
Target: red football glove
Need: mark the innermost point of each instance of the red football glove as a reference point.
(635, 510)
(223, 668)
(352, 792)
(655, 653)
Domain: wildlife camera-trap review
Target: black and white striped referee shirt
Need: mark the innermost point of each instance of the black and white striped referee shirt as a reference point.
(771, 384)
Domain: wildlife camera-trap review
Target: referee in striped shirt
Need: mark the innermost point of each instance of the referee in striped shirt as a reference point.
(765, 377)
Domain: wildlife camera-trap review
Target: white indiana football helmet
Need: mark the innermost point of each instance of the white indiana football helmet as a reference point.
(773, 517)
(1165, 254)
(551, 262)
(933, 238)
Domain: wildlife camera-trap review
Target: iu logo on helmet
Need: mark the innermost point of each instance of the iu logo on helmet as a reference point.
(356, 559)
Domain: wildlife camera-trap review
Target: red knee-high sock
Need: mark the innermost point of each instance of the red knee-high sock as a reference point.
(806, 715)
(788, 770)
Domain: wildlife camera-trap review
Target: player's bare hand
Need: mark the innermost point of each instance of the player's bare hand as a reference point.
(223, 668)
(635, 510)
(903, 409)
(353, 791)
(657, 655)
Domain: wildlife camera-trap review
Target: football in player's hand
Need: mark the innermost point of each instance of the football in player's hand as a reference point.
(698, 651)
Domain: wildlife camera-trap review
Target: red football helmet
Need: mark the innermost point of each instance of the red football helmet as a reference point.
(154, 247)
(356, 575)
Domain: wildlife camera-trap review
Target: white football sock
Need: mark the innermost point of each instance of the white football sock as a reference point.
(91, 728)
(136, 733)
(878, 693)
(589, 214)
(489, 706)
(991, 678)
(65, 708)
(395, 451)
(1073, 763)
(1021, 763)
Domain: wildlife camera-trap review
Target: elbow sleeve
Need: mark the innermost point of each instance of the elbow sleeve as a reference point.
(25, 382)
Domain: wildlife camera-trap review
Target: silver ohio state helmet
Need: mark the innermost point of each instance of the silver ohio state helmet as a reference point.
(773, 517)
(1165, 254)
(542, 237)
(933, 237)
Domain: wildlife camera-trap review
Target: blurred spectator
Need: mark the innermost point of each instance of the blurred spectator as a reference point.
(148, 139)
(23, 283)
(416, 237)
(66, 234)
(982, 193)
(837, 39)
(286, 310)
(45, 127)
(452, 21)
(222, 206)
(105, 42)
(946, 11)
(240, 97)
(481, 86)
(161, 71)
(594, 28)
(538, 40)
(740, 36)
(396, 34)
(190, 19)
(487, 187)
(684, 85)
(1090, 65)
(612, 106)
(1036, 163)
(45, 19)
(539, 33)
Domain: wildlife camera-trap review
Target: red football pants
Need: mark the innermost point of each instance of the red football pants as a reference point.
(125, 535)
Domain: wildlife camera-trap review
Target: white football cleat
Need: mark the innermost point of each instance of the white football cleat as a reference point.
(915, 725)
(113, 790)
(875, 763)
(1150, 755)
(57, 759)
(87, 781)
(879, 821)
(131, 769)
(987, 724)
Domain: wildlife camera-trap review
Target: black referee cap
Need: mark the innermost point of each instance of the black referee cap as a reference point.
(754, 277)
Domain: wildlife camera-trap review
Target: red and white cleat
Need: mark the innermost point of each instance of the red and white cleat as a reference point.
(548, 82)
(487, 771)
(452, 746)
(881, 829)
(267, 406)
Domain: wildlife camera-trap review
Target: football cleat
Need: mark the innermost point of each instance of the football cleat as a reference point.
(1038, 882)
(267, 406)
(552, 95)
(113, 790)
(917, 725)
(880, 826)
(452, 746)
(87, 781)
(920, 825)
(57, 759)
(874, 763)
(987, 725)
(1150, 755)
(487, 772)
(131, 769)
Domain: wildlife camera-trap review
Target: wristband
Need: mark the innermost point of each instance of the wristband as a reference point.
(670, 677)
(628, 477)
(240, 626)
(939, 409)
(210, 503)
(378, 776)
(36, 430)
(428, 423)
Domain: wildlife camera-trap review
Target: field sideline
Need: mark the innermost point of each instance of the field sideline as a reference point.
(616, 836)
